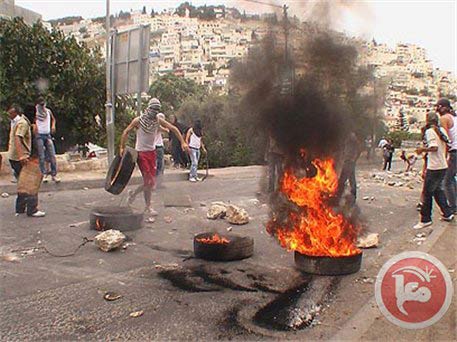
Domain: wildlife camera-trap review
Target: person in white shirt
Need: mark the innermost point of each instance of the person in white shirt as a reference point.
(160, 150)
(436, 141)
(194, 139)
(45, 125)
(448, 120)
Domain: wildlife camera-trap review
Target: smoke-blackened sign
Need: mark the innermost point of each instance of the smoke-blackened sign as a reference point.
(413, 290)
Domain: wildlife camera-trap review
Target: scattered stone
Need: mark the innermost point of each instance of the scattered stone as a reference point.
(365, 280)
(202, 204)
(136, 314)
(85, 188)
(166, 267)
(150, 220)
(128, 244)
(237, 215)
(109, 240)
(368, 241)
(188, 210)
(216, 211)
(451, 270)
(111, 296)
(5, 195)
(11, 257)
(254, 201)
(391, 183)
(167, 219)
(229, 229)
(372, 198)
(366, 198)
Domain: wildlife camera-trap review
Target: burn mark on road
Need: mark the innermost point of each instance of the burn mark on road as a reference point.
(183, 279)
(217, 279)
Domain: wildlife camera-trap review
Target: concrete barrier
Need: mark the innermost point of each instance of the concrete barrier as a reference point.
(65, 163)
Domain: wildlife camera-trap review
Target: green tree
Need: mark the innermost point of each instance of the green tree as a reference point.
(35, 62)
(172, 90)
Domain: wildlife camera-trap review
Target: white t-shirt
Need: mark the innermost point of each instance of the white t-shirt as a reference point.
(159, 139)
(195, 141)
(436, 160)
(44, 126)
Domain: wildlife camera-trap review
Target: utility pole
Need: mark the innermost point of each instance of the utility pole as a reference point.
(286, 33)
(109, 95)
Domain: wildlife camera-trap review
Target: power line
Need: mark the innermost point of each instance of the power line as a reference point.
(264, 3)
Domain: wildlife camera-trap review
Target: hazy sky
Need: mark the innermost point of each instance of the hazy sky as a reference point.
(428, 23)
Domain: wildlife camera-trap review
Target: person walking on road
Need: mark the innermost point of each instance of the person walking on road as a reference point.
(448, 120)
(179, 157)
(388, 152)
(194, 139)
(160, 150)
(46, 125)
(19, 154)
(147, 125)
(352, 151)
(436, 145)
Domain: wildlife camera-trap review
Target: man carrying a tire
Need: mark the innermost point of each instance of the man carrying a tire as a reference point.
(147, 126)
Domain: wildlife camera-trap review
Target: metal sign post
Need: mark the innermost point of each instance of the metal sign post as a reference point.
(109, 95)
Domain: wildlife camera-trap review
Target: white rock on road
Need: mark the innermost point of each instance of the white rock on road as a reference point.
(237, 215)
(109, 240)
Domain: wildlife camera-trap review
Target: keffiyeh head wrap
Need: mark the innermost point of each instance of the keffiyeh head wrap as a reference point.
(148, 119)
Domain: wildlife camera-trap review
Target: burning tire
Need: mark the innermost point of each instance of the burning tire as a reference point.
(119, 218)
(120, 171)
(215, 247)
(330, 266)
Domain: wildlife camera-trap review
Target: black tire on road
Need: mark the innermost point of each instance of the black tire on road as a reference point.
(239, 247)
(119, 218)
(120, 171)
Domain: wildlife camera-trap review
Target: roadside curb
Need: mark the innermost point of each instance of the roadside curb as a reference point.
(97, 183)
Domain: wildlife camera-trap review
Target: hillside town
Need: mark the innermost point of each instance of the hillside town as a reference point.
(203, 50)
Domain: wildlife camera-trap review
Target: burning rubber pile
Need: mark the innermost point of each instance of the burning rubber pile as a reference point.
(315, 128)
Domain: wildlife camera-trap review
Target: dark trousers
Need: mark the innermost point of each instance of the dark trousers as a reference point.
(387, 162)
(274, 171)
(347, 174)
(433, 189)
(450, 184)
(160, 166)
(24, 202)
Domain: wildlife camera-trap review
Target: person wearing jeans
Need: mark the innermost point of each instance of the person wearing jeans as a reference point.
(448, 120)
(19, 154)
(194, 139)
(45, 125)
(436, 144)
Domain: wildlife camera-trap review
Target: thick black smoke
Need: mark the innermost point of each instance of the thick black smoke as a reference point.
(326, 103)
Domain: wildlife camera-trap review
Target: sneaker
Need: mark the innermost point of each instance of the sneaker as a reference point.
(56, 179)
(193, 180)
(17, 214)
(448, 218)
(151, 212)
(39, 213)
(421, 225)
(13, 180)
(45, 178)
(199, 179)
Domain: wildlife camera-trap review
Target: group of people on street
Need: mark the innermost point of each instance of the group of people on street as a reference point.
(31, 146)
(149, 127)
(440, 166)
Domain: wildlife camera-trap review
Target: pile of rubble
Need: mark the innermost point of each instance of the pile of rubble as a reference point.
(232, 213)
(402, 179)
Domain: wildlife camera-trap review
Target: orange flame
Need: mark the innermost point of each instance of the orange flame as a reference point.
(214, 239)
(315, 229)
(99, 225)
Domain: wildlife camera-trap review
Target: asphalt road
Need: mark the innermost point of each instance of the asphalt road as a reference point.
(49, 298)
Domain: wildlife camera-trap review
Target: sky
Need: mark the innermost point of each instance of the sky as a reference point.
(431, 24)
